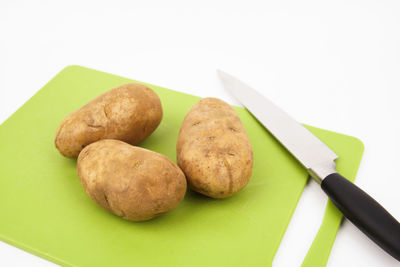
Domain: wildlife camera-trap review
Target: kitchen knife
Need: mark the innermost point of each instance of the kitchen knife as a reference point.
(319, 160)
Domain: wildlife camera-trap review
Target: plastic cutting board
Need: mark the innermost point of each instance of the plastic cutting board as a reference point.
(44, 209)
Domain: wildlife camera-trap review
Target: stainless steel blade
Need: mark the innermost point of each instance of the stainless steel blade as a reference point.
(311, 152)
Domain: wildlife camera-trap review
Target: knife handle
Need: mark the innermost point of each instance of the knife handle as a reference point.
(364, 212)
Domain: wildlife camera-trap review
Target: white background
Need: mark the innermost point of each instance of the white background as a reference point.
(334, 65)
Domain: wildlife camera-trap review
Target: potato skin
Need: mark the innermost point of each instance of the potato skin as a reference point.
(132, 182)
(213, 149)
(129, 113)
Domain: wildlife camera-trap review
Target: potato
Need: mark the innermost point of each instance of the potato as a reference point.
(129, 113)
(132, 182)
(213, 149)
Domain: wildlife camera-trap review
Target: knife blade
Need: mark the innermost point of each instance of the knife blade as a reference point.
(356, 205)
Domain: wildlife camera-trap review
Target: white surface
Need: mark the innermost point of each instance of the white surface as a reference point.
(333, 64)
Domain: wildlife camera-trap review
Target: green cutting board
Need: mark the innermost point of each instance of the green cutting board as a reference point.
(45, 210)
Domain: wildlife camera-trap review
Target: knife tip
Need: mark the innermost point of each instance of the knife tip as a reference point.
(222, 74)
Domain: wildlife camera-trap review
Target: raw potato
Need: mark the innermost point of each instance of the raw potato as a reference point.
(213, 149)
(129, 113)
(132, 182)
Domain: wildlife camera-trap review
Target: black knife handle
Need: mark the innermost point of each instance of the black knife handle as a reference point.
(364, 212)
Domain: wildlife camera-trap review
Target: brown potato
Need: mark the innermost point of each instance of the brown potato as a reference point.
(129, 113)
(132, 182)
(213, 149)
